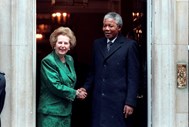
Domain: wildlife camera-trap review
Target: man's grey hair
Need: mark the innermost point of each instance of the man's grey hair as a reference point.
(116, 17)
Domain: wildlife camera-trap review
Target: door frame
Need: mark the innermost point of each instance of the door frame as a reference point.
(149, 62)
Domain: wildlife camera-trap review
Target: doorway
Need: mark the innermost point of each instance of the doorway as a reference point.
(134, 14)
(87, 26)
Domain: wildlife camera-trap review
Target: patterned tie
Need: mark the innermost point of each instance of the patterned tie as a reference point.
(109, 45)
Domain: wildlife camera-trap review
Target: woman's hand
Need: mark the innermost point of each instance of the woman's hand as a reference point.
(81, 93)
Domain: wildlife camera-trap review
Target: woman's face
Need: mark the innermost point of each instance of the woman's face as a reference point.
(62, 45)
(110, 28)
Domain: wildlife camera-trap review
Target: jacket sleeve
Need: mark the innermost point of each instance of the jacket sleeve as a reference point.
(2, 91)
(133, 68)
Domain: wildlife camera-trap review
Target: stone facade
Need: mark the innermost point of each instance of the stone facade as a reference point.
(167, 46)
(18, 61)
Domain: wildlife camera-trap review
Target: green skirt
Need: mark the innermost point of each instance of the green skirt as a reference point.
(46, 120)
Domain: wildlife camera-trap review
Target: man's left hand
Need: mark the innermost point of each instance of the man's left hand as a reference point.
(128, 110)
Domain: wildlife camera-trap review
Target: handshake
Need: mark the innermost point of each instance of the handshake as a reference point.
(81, 93)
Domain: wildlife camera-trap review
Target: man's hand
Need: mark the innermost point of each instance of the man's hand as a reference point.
(81, 93)
(128, 110)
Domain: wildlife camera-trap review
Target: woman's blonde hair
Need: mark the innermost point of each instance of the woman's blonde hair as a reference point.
(62, 31)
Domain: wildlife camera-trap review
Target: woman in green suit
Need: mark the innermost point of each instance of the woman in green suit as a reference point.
(58, 79)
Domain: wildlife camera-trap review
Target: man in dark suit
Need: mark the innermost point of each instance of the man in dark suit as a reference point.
(114, 76)
(2, 92)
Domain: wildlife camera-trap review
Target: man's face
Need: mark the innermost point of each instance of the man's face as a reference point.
(110, 28)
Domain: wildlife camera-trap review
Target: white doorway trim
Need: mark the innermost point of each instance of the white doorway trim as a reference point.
(149, 61)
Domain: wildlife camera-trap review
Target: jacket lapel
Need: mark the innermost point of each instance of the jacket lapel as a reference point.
(70, 69)
(103, 47)
(64, 69)
(116, 45)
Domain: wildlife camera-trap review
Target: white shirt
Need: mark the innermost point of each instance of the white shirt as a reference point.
(111, 40)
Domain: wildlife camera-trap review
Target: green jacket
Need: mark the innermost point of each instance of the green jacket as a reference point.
(57, 85)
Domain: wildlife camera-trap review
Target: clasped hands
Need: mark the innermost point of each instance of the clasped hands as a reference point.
(81, 93)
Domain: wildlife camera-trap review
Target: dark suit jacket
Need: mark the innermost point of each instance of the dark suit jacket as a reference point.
(2, 90)
(114, 79)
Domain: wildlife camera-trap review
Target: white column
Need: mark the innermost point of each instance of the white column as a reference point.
(18, 61)
(169, 104)
(163, 63)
